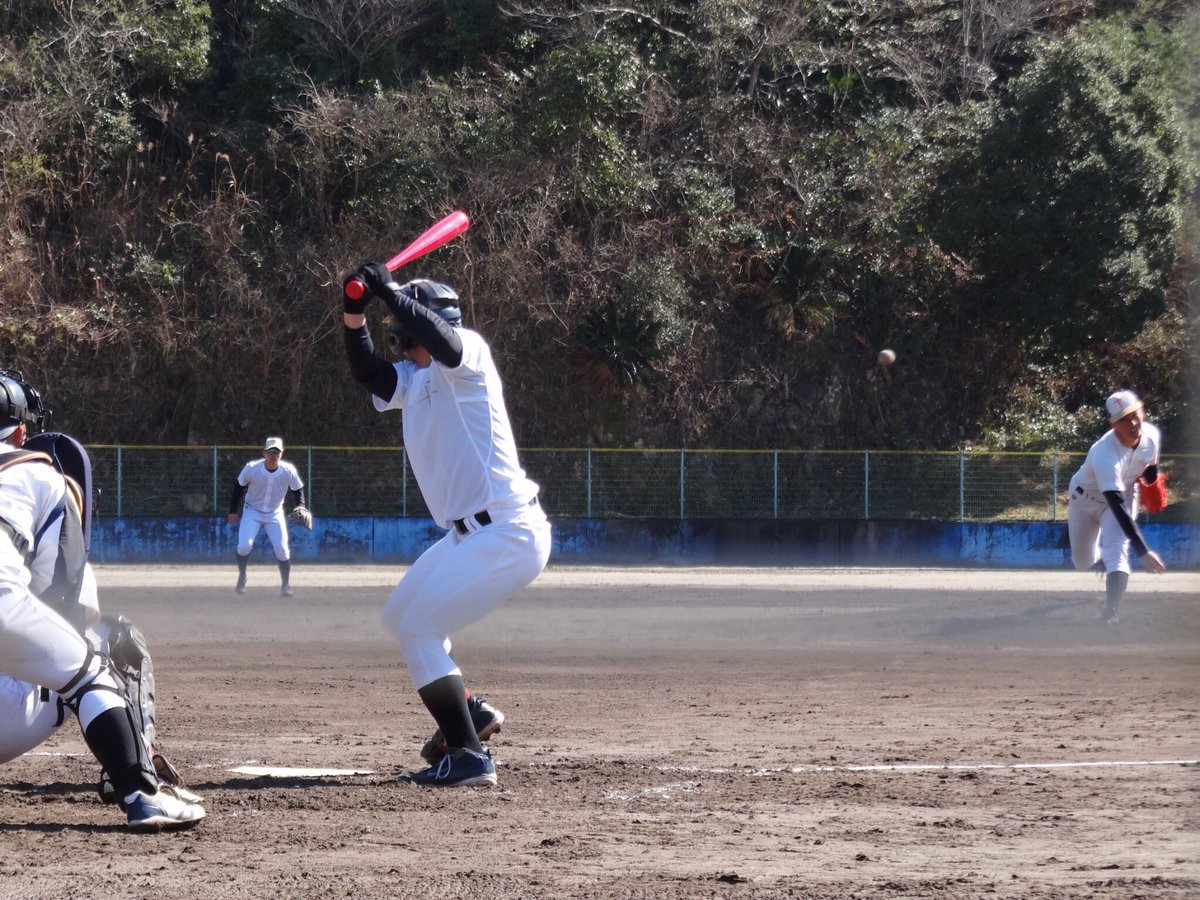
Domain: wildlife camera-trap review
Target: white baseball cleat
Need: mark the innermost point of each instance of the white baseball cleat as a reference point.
(166, 810)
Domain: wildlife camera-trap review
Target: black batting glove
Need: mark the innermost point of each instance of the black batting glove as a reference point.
(374, 276)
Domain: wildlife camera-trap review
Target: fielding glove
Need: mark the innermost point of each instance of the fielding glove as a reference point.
(1152, 495)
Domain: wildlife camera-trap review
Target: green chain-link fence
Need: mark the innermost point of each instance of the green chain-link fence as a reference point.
(600, 484)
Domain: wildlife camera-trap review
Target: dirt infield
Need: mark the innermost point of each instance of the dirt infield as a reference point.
(672, 733)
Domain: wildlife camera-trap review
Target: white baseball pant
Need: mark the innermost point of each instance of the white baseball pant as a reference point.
(40, 647)
(28, 720)
(275, 525)
(457, 582)
(1095, 533)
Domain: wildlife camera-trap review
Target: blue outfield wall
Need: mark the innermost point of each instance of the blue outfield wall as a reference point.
(649, 541)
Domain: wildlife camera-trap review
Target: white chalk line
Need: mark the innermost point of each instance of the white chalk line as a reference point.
(292, 772)
(937, 767)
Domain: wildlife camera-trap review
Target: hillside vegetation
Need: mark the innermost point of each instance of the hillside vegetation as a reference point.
(694, 222)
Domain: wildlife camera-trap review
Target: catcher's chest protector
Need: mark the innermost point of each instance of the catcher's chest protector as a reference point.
(68, 456)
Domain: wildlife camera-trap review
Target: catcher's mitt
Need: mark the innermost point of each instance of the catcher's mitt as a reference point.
(302, 516)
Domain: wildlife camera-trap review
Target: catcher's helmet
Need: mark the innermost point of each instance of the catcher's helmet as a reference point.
(434, 295)
(19, 402)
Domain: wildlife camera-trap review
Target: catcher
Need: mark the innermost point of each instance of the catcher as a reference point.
(263, 484)
(51, 633)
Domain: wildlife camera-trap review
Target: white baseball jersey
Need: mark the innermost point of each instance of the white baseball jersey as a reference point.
(37, 645)
(265, 489)
(1111, 466)
(29, 494)
(458, 436)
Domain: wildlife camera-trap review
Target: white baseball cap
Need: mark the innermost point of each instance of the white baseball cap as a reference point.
(274, 443)
(1121, 404)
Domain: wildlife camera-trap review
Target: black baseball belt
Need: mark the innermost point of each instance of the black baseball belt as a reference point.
(481, 519)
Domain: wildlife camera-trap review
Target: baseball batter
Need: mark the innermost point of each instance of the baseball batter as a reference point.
(47, 604)
(1103, 498)
(264, 484)
(460, 444)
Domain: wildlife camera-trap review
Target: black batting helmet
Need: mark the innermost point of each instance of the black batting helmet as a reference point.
(439, 297)
(19, 402)
(434, 295)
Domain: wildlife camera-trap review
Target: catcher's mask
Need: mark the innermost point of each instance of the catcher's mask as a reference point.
(434, 295)
(19, 402)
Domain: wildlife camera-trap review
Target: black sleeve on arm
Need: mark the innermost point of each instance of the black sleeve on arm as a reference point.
(427, 328)
(1116, 502)
(297, 497)
(1150, 473)
(235, 499)
(377, 375)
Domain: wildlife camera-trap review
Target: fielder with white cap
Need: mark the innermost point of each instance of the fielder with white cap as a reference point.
(1104, 494)
(263, 484)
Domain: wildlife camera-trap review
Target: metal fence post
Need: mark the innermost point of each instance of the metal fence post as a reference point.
(962, 489)
(681, 480)
(1054, 486)
(866, 484)
(588, 505)
(214, 458)
(775, 483)
(308, 476)
(120, 462)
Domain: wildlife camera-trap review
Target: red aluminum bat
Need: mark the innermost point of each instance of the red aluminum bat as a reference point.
(433, 237)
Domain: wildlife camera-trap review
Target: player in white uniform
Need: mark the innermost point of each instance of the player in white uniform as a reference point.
(47, 603)
(1102, 501)
(460, 445)
(264, 484)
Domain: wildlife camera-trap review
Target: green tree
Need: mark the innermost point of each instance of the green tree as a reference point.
(1067, 202)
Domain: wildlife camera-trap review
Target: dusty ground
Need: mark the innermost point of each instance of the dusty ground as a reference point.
(672, 733)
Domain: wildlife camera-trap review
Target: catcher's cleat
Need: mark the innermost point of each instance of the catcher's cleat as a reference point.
(286, 591)
(167, 774)
(486, 718)
(240, 587)
(459, 768)
(166, 810)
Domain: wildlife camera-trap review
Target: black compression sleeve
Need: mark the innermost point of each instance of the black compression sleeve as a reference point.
(427, 328)
(1150, 474)
(377, 375)
(1116, 502)
(235, 499)
(297, 497)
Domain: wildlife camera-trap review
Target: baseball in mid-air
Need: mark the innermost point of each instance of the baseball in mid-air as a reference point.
(886, 357)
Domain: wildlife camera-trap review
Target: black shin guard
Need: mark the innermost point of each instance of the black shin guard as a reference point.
(114, 741)
(446, 700)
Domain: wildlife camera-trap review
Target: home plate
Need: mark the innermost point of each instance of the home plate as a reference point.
(289, 772)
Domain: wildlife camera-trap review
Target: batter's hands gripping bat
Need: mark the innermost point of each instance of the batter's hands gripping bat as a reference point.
(433, 237)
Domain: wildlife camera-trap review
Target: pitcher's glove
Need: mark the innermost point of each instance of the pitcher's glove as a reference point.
(301, 515)
(1152, 495)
